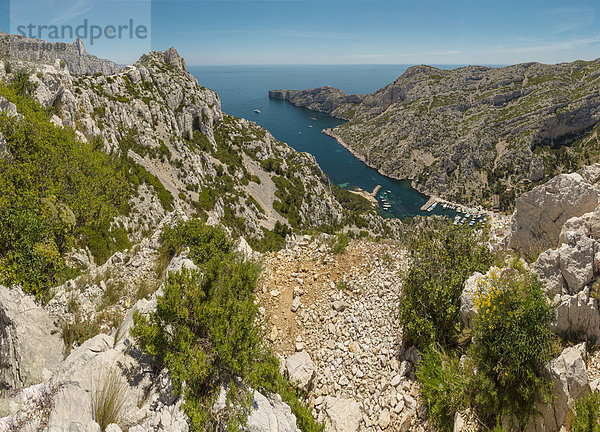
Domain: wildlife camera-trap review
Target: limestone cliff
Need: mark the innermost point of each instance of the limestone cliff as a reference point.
(469, 132)
(75, 56)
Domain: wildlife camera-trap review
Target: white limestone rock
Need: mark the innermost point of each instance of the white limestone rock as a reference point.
(540, 213)
(342, 414)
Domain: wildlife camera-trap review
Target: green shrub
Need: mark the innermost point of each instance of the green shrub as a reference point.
(78, 332)
(53, 189)
(339, 245)
(586, 416)
(205, 331)
(444, 386)
(442, 258)
(512, 344)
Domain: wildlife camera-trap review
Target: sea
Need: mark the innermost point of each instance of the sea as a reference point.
(243, 89)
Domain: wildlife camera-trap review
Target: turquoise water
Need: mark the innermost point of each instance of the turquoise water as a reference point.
(243, 89)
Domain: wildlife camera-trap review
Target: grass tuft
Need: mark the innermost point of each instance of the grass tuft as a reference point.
(109, 400)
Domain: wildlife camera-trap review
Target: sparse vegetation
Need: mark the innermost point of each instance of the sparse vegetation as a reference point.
(586, 414)
(109, 399)
(214, 337)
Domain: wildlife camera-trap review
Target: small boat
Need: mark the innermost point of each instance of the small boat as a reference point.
(310, 126)
(313, 118)
(257, 111)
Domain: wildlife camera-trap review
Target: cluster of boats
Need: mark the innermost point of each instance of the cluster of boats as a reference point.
(385, 204)
(470, 219)
(466, 218)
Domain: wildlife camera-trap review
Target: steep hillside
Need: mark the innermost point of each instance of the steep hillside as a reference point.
(223, 168)
(470, 132)
(118, 192)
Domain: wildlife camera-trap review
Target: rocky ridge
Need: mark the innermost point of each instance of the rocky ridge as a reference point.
(158, 114)
(77, 60)
(467, 133)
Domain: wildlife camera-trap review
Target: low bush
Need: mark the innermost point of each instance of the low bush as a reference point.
(109, 400)
(444, 385)
(442, 258)
(512, 344)
(586, 415)
(206, 332)
(340, 244)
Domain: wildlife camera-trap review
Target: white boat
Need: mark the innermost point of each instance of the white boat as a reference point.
(257, 111)
(313, 118)
(309, 126)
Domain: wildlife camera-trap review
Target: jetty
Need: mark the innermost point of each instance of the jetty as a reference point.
(429, 203)
(369, 196)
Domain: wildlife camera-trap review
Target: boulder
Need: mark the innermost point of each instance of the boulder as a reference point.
(569, 375)
(270, 415)
(540, 213)
(467, 299)
(476, 283)
(300, 369)
(547, 269)
(4, 152)
(577, 260)
(591, 173)
(30, 344)
(243, 248)
(8, 108)
(180, 262)
(577, 313)
(342, 414)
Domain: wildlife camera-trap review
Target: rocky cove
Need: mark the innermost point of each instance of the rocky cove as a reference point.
(243, 89)
(471, 132)
(327, 293)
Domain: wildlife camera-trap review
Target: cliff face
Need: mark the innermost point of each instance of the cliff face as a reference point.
(323, 99)
(469, 132)
(77, 59)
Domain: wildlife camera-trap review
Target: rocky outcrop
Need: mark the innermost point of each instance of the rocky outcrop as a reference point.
(565, 215)
(459, 132)
(75, 56)
(566, 274)
(541, 213)
(569, 377)
(270, 415)
(322, 99)
(30, 345)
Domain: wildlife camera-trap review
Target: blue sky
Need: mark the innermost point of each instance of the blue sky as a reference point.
(336, 31)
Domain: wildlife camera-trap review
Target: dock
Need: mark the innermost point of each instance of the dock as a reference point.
(369, 196)
(429, 203)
